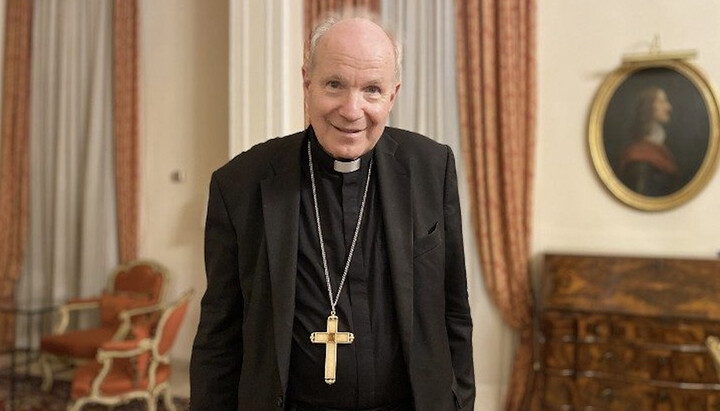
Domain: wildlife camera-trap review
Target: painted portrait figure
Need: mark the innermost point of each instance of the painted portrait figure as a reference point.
(647, 166)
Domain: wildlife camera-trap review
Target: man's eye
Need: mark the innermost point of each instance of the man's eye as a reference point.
(333, 84)
(373, 89)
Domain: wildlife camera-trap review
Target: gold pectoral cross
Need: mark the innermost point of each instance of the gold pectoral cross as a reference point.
(331, 338)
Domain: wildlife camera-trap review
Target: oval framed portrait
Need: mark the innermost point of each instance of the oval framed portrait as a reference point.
(653, 133)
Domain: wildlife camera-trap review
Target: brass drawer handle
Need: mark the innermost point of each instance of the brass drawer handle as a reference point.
(608, 356)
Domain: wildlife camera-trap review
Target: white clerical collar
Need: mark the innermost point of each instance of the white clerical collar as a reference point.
(346, 166)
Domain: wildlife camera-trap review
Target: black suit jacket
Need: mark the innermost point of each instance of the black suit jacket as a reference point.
(241, 352)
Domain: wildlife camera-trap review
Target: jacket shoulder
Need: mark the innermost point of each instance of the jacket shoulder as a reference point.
(410, 139)
(254, 163)
(417, 149)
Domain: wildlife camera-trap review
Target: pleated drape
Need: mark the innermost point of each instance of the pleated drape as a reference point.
(14, 149)
(125, 118)
(316, 9)
(496, 91)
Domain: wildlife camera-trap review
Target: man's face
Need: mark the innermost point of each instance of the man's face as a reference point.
(351, 87)
(661, 107)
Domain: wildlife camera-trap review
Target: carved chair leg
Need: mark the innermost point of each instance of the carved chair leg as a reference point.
(76, 405)
(168, 399)
(151, 402)
(47, 373)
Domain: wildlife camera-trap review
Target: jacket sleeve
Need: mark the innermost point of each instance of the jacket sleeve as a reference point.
(457, 307)
(217, 351)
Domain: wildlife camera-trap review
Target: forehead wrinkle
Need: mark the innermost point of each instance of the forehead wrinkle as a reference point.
(359, 40)
(353, 63)
(344, 65)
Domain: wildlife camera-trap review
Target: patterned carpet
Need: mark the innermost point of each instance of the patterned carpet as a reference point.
(29, 397)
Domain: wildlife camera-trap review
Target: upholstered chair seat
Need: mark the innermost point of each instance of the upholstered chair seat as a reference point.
(78, 344)
(119, 380)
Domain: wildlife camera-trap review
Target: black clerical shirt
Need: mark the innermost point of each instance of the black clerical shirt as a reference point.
(371, 371)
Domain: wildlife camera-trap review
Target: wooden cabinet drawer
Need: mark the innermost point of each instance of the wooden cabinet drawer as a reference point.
(656, 364)
(558, 327)
(605, 327)
(694, 367)
(559, 356)
(559, 392)
(601, 394)
(674, 332)
(610, 359)
(595, 327)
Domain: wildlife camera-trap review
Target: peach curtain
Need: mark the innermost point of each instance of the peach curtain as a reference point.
(14, 149)
(496, 86)
(125, 112)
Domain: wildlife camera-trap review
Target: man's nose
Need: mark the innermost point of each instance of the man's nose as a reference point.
(351, 108)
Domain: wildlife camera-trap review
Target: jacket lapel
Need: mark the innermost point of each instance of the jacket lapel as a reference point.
(281, 208)
(394, 182)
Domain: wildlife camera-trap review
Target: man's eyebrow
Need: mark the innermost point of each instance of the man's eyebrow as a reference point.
(332, 77)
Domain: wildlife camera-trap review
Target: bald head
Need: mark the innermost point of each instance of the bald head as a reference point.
(363, 29)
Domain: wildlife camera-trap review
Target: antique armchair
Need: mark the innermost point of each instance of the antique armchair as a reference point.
(133, 368)
(137, 284)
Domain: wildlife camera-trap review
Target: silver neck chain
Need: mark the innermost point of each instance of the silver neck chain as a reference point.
(334, 301)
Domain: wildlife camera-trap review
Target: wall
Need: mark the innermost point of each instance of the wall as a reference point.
(578, 44)
(184, 128)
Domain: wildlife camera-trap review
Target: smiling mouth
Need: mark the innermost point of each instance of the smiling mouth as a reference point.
(347, 130)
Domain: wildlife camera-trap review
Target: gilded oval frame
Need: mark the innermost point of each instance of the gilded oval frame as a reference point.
(697, 110)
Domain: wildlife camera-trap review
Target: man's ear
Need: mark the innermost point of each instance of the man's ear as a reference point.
(306, 77)
(393, 94)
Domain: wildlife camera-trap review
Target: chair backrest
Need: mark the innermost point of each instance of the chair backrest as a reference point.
(139, 283)
(142, 279)
(169, 324)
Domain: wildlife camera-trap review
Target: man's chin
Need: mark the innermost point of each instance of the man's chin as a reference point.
(347, 148)
(347, 153)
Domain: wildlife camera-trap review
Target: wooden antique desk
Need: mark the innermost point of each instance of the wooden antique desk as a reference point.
(628, 333)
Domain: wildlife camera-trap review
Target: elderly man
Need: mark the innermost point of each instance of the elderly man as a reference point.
(334, 256)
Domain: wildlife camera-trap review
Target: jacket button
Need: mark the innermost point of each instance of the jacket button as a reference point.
(280, 401)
